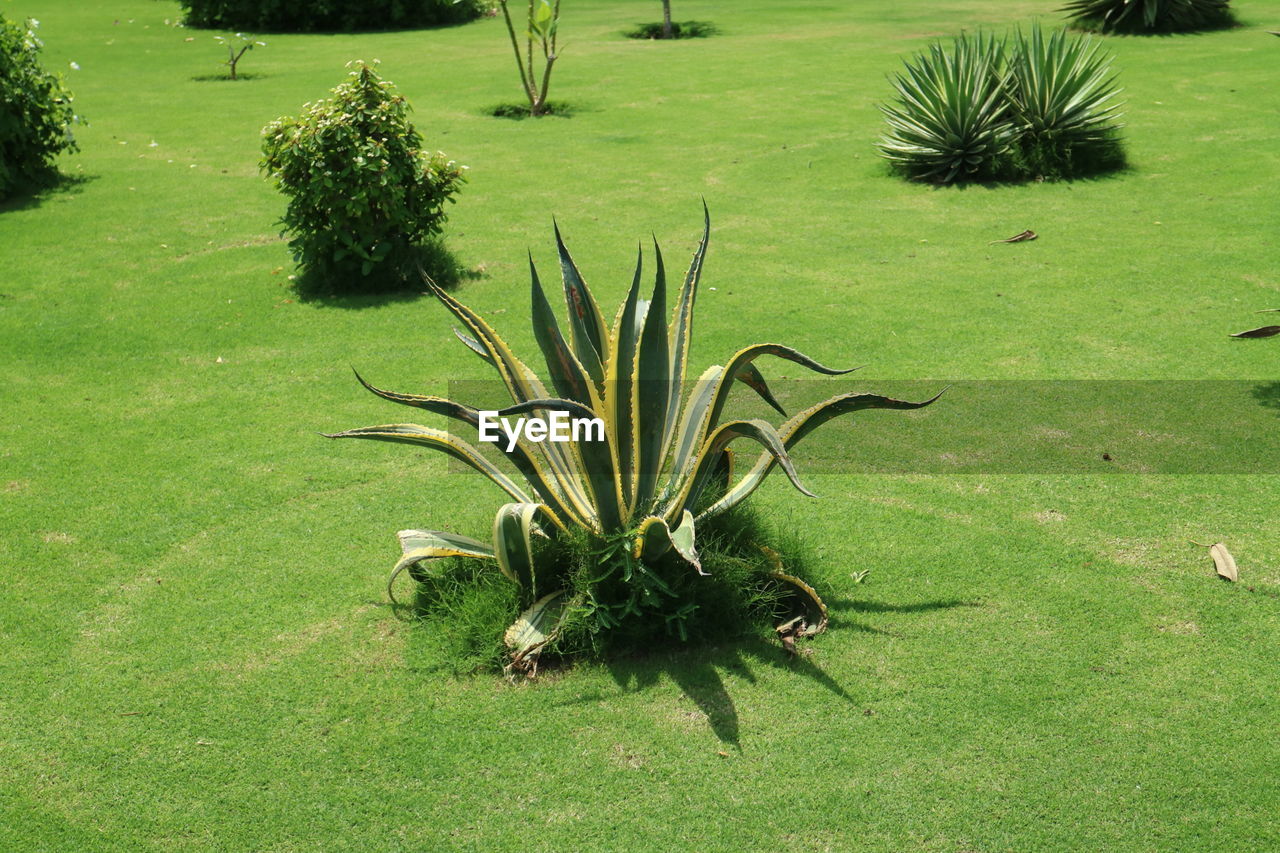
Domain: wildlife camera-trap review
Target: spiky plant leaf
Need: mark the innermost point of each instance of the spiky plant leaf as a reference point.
(951, 117)
(421, 545)
(1062, 90)
(654, 539)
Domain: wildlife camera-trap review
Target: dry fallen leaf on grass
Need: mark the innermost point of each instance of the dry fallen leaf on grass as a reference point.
(1223, 561)
(1263, 332)
(1017, 238)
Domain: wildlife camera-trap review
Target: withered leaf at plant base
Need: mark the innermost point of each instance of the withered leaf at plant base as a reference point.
(1223, 562)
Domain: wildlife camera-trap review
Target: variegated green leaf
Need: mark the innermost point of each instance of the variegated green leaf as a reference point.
(419, 545)
(709, 457)
(796, 429)
(680, 333)
(711, 392)
(624, 342)
(567, 374)
(652, 385)
(521, 382)
(474, 345)
(513, 530)
(436, 439)
(538, 625)
(654, 539)
(589, 334)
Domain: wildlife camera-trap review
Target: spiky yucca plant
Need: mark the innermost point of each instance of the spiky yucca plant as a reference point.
(1063, 94)
(665, 454)
(1041, 106)
(952, 116)
(1137, 16)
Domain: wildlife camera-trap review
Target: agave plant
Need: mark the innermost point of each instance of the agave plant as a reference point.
(1149, 15)
(952, 116)
(1062, 90)
(664, 455)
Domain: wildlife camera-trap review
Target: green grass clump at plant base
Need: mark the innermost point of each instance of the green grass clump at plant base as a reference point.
(197, 651)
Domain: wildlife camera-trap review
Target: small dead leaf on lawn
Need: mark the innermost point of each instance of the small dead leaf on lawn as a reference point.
(1017, 238)
(1223, 562)
(1262, 332)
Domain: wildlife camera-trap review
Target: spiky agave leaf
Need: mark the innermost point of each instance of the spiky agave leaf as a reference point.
(654, 539)
(514, 529)
(794, 430)
(421, 545)
(1062, 89)
(951, 117)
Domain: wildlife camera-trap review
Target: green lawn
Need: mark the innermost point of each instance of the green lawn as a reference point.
(196, 653)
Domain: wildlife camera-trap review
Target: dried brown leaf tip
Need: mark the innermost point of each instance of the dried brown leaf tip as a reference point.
(1024, 237)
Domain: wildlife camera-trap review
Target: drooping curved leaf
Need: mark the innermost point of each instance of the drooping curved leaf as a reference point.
(538, 625)
(566, 496)
(513, 529)
(437, 440)
(419, 545)
(711, 392)
(709, 458)
(795, 429)
(654, 538)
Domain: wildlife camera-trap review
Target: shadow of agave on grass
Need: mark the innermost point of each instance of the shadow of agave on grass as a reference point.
(838, 607)
(867, 606)
(1267, 394)
(698, 674)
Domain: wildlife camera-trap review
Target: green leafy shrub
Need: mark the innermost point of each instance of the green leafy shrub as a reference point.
(363, 195)
(465, 606)
(628, 503)
(1149, 16)
(986, 109)
(35, 110)
(288, 16)
(676, 30)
